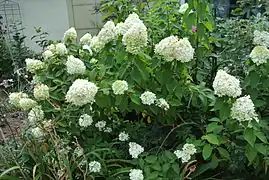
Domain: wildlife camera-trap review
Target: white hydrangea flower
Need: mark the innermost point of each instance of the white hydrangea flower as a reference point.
(226, 85)
(136, 38)
(94, 166)
(107, 33)
(41, 92)
(135, 149)
(61, 49)
(37, 132)
(162, 103)
(75, 65)
(261, 38)
(93, 61)
(136, 174)
(243, 109)
(108, 129)
(47, 54)
(119, 87)
(33, 65)
(148, 98)
(14, 98)
(86, 39)
(47, 125)
(123, 136)
(81, 92)
(121, 29)
(27, 103)
(85, 120)
(96, 44)
(131, 20)
(173, 49)
(184, 156)
(35, 115)
(183, 8)
(259, 55)
(51, 48)
(88, 48)
(70, 34)
(189, 148)
(100, 125)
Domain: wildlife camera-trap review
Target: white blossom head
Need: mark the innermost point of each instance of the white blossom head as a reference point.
(108, 130)
(136, 174)
(162, 103)
(87, 48)
(183, 8)
(36, 115)
(81, 92)
(189, 148)
(75, 65)
(183, 155)
(51, 48)
(135, 149)
(47, 54)
(107, 33)
(123, 136)
(226, 85)
(86, 39)
(14, 98)
(100, 125)
(94, 167)
(148, 98)
(243, 109)
(27, 103)
(60, 49)
(37, 132)
(70, 34)
(119, 87)
(131, 20)
(259, 55)
(96, 44)
(185, 51)
(33, 65)
(261, 38)
(41, 92)
(85, 120)
(121, 29)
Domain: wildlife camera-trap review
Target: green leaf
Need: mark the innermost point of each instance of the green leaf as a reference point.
(166, 167)
(261, 136)
(156, 166)
(151, 159)
(212, 138)
(153, 175)
(175, 167)
(223, 152)
(142, 69)
(213, 127)
(207, 151)
(261, 148)
(214, 161)
(249, 136)
(135, 99)
(251, 153)
(201, 169)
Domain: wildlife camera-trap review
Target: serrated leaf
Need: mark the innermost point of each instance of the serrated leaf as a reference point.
(249, 136)
(207, 151)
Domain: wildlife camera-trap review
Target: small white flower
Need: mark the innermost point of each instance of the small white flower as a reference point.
(32, 65)
(261, 38)
(51, 48)
(96, 44)
(78, 151)
(148, 98)
(85, 120)
(14, 98)
(100, 125)
(135, 149)
(47, 125)
(123, 136)
(27, 103)
(119, 87)
(184, 156)
(75, 65)
(108, 129)
(94, 167)
(41, 92)
(86, 39)
(136, 174)
(47, 54)
(61, 49)
(93, 61)
(88, 48)
(37, 132)
(121, 29)
(259, 55)
(183, 8)
(226, 85)
(162, 103)
(35, 115)
(107, 33)
(70, 35)
(189, 148)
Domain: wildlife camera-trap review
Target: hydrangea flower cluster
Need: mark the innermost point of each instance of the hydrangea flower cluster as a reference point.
(14, 98)
(186, 152)
(81, 92)
(148, 98)
(173, 49)
(37, 132)
(259, 55)
(119, 87)
(51, 48)
(41, 92)
(183, 8)
(86, 39)
(27, 103)
(70, 35)
(162, 103)
(85, 120)
(136, 174)
(261, 38)
(32, 65)
(101, 125)
(226, 85)
(243, 109)
(36, 115)
(94, 166)
(75, 65)
(123, 136)
(121, 29)
(135, 149)
(47, 54)
(60, 49)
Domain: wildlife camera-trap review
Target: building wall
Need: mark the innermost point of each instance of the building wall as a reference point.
(50, 15)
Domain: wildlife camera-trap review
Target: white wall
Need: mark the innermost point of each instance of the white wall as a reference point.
(51, 15)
